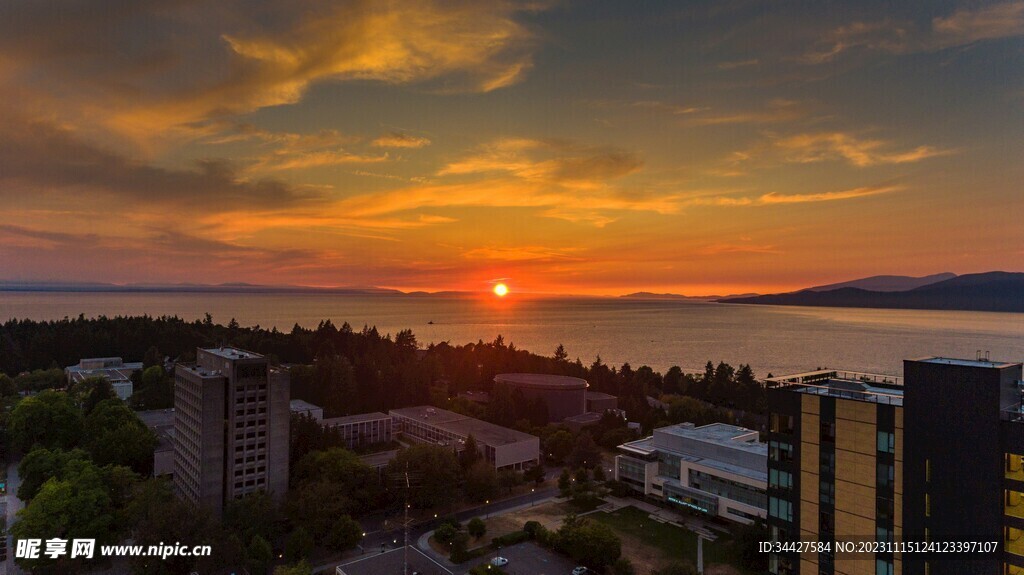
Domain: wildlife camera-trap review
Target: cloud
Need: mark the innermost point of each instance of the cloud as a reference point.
(737, 248)
(97, 66)
(519, 253)
(961, 28)
(285, 160)
(400, 140)
(775, 198)
(775, 111)
(860, 152)
(738, 64)
(548, 161)
(45, 158)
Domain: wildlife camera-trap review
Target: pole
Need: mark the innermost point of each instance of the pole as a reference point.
(700, 555)
(406, 550)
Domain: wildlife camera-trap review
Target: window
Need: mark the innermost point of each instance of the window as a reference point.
(780, 508)
(828, 431)
(781, 423)
(828, 463)
(883, 567)
(886, 475)
(827, 492)
(886, 442)
(927, 505)
(780, 451)
(826, 522)
(928, 470)
(884, 510)
(780, 479)
(883, 534)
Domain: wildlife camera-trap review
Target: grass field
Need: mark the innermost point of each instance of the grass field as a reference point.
(672, 543)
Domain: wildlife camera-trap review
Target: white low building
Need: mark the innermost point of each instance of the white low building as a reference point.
(718, 469)
(113, 369)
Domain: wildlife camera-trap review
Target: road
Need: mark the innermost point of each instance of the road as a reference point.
(396, 537)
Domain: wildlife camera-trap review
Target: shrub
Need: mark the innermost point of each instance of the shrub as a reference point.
(511, 539)
(476, 528)
(445, 533)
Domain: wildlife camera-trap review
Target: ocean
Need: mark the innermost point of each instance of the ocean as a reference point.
(772, 339)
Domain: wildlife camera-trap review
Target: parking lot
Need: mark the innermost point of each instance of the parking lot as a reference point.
(531, 559)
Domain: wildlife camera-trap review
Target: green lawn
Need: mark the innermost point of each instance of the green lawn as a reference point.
(674, 541)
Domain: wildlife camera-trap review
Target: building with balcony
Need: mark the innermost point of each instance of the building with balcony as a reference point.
(502, 447)
(718, 469)
(933, 456)
(231, 427)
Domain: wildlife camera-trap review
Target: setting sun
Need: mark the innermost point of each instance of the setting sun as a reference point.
(500, 290)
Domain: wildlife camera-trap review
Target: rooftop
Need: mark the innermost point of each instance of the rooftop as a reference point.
(723, 434)
(354, 419)
(302, 405)
(120, 373)
(157, 417)
(984, 363)
(463, 426)
(869, 387)
(542, 380)
(161, 422)
(720, 446)
(584, 418)
(232, 353)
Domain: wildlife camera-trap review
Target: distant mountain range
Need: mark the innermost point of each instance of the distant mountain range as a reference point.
(886, 283)
(990, 291)
(675, 296)
(186, 287)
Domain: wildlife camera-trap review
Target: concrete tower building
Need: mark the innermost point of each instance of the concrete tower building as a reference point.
(231, 426)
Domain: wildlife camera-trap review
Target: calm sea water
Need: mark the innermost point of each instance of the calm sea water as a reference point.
(773, 339)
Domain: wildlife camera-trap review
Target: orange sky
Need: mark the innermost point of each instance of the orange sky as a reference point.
(599, 148)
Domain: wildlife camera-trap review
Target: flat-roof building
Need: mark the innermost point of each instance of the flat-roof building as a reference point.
(363, 429)
(598, 402)
(719, 469)
(113, 369)
(231, 427)
(502, 447)
(161, 422)
(301, 407)
(563, 396)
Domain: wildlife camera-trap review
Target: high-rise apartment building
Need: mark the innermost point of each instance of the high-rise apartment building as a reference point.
(231, 426)
(933, 458)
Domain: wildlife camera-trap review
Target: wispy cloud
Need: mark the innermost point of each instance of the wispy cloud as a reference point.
(400, 140)
(860, 152)
(776, 198)
(738, 64)
(775, 111)
(520, 253)
(548, 161)
(961, 28)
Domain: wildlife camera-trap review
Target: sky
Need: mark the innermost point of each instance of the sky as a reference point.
(597, 147)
